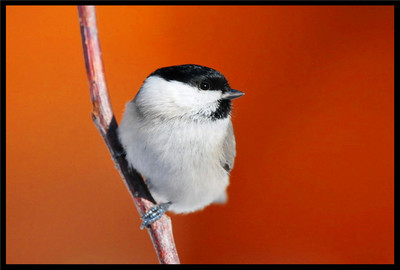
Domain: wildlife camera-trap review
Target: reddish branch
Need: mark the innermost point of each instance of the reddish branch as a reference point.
(103, 117)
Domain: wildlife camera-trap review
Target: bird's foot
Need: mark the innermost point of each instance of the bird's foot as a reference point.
(154, 214)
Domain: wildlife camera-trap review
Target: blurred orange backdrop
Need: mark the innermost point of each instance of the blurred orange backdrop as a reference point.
(314, 175)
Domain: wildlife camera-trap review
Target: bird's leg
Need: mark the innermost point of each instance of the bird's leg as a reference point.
(154, 214)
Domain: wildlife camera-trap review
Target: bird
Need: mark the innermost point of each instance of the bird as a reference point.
(177, 133)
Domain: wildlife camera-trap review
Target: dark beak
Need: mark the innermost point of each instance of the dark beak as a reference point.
(232, 94)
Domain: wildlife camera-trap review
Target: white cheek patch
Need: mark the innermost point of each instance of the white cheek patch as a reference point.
(176, 98)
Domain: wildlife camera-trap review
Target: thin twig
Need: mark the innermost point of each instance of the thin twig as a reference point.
(103, 117)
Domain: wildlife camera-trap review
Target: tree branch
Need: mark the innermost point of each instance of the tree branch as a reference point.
(103, 117)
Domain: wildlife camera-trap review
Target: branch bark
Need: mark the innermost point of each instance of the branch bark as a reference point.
(103, 117)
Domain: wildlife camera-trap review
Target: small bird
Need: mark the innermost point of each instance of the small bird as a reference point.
(177, 132)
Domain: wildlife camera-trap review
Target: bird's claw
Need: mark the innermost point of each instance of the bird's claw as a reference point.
(154, 214)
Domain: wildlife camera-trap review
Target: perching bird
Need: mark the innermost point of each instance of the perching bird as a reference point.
(177, 132)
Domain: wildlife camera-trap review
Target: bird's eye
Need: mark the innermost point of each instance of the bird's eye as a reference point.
(204, 86)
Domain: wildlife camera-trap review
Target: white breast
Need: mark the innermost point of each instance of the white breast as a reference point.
(180, 158)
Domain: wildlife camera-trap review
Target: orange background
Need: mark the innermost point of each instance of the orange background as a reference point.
(314, 175)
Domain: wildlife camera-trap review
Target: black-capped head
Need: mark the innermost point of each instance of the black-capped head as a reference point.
(190, 89)
(202, 77)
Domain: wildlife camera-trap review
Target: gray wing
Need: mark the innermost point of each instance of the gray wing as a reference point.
(229, 149)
